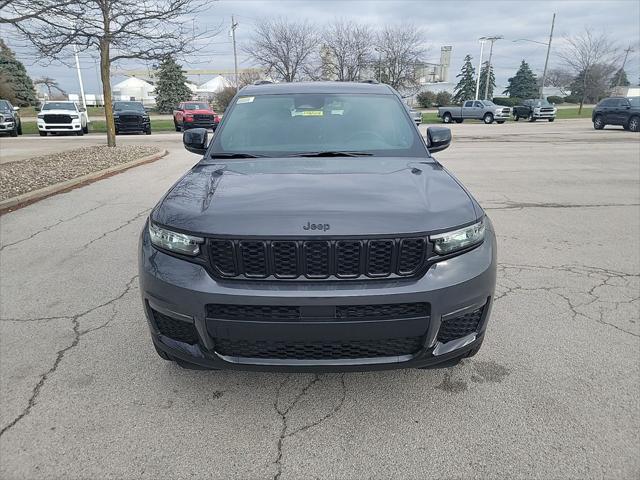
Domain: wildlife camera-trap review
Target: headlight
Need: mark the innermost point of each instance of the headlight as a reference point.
(73, 116)
(41, 115)
(450, 242)
(173, 241)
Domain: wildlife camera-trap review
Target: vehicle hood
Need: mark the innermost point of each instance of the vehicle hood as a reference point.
(408, 197)
(201, 112)
(58, 112)
(7, 115)
(131, 112)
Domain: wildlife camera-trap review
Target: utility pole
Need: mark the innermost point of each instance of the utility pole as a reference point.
(234, 25)
(75, 53)
(546, 62)
(626, 54)
(482, 40)
(486, 85)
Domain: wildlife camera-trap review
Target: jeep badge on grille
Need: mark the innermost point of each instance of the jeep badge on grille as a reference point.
(316, 226)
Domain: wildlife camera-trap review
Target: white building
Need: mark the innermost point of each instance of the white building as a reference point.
(134, 89)
(213, 86)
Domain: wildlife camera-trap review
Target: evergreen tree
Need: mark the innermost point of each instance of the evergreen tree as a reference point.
(619, 79)
(483, 81)
(171, 87)
(466, 87)
(19, 83)
(524, 84)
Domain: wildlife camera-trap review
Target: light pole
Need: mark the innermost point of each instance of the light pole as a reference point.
(486, 84)
(379, 64)
(624, 62)
(482, 40)
(546, 61)
(75, 54)
(234, 25)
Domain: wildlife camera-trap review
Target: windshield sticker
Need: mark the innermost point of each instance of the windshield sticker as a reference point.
(337, 112)
(245, 99)
(307, 113)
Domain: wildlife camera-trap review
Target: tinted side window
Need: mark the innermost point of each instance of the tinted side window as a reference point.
(477, 104)
(468, 104)
(608, 102)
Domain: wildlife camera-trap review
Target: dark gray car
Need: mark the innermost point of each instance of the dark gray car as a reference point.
(317, 233)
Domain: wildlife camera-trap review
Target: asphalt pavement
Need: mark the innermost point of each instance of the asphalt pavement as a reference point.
(554, 392)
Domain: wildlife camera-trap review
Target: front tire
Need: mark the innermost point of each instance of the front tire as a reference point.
(14, 132)
(459, 120)
(85, 129)
(634, 124)
(42, 134)
(551, 119)
(177, 127)
(20, 128)
(488, 118)
(499, 122)
(516, 117)
(446, 118)
(531, 118)
(598, 122)
(80, 132)
(148, 131)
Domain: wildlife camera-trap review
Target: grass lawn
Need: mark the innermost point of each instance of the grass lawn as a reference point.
(563, 114)
(101, 126)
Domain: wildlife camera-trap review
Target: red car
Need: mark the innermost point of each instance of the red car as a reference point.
(194, 114)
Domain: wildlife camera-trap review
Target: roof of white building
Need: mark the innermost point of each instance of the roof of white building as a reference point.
(215, 85)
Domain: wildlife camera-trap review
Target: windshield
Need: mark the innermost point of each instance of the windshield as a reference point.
(128, 106)
(634, 101)
(196, 106)
(282, 125)
(4, 106)
(58, 106)
(541, 103)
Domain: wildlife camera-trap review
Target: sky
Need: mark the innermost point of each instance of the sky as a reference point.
(458, 23)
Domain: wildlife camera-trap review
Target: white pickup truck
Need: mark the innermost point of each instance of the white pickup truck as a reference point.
(484, 110)
(62, 117)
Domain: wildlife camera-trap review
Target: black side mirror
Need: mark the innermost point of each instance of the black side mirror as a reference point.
(195, 140)
(438, 138)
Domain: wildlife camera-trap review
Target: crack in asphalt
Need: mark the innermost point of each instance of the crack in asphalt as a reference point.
(77, 335)
(49, 227)
(576, 309)
(522, 205)
(283, 412)
(120, 227)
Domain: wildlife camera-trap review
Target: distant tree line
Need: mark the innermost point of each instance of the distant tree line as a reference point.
(346, 51)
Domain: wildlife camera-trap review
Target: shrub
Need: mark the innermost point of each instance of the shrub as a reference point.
(443, 98)
(507, 101)
(426, 99)
(571, 99)
(555, 99)
(223, 98)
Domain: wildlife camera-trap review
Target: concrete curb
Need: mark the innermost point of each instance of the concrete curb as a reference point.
(25, 199)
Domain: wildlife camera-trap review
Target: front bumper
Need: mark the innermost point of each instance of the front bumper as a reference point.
(544, 114)
(128, 127)
(74, 126)
(182, 290)
(6, 126)
(502, 116)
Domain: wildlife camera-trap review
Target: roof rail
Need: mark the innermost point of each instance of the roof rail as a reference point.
(262, 82)
(370, 80)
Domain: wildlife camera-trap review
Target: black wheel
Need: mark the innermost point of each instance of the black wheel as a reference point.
(499, 122)
(488, 118)
(598, 122)
(20, 128)
(551, 119)
(459, 120)
(80, 132)
(14, 132)
(516, 117)
(447, 118)
(531, 118)
(634, 124)
(42, 134)
(176, 126)
(148, 131)
(85, 129)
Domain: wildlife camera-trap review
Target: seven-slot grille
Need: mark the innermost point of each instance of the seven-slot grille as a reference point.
(57, 118)
(318, 259)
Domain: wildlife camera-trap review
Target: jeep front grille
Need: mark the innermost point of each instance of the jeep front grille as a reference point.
(318, 259)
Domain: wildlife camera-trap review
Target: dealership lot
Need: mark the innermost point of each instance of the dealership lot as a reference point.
(552, 394)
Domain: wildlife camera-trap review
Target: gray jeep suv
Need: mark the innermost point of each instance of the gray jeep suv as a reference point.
(317, 232)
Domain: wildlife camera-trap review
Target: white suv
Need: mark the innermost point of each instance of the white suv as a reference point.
(62, 117)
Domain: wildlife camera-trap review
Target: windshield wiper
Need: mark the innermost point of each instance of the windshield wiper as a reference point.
(331, 153)
(236, 155)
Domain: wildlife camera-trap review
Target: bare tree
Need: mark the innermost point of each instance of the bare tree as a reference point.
(282, 48)
(346, 50)
(559, 78)
(401, 52)
(249, 76)
(583, 51)
(142, 30)
(49, 83)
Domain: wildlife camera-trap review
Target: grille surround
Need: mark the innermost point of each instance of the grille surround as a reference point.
(318, 259)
